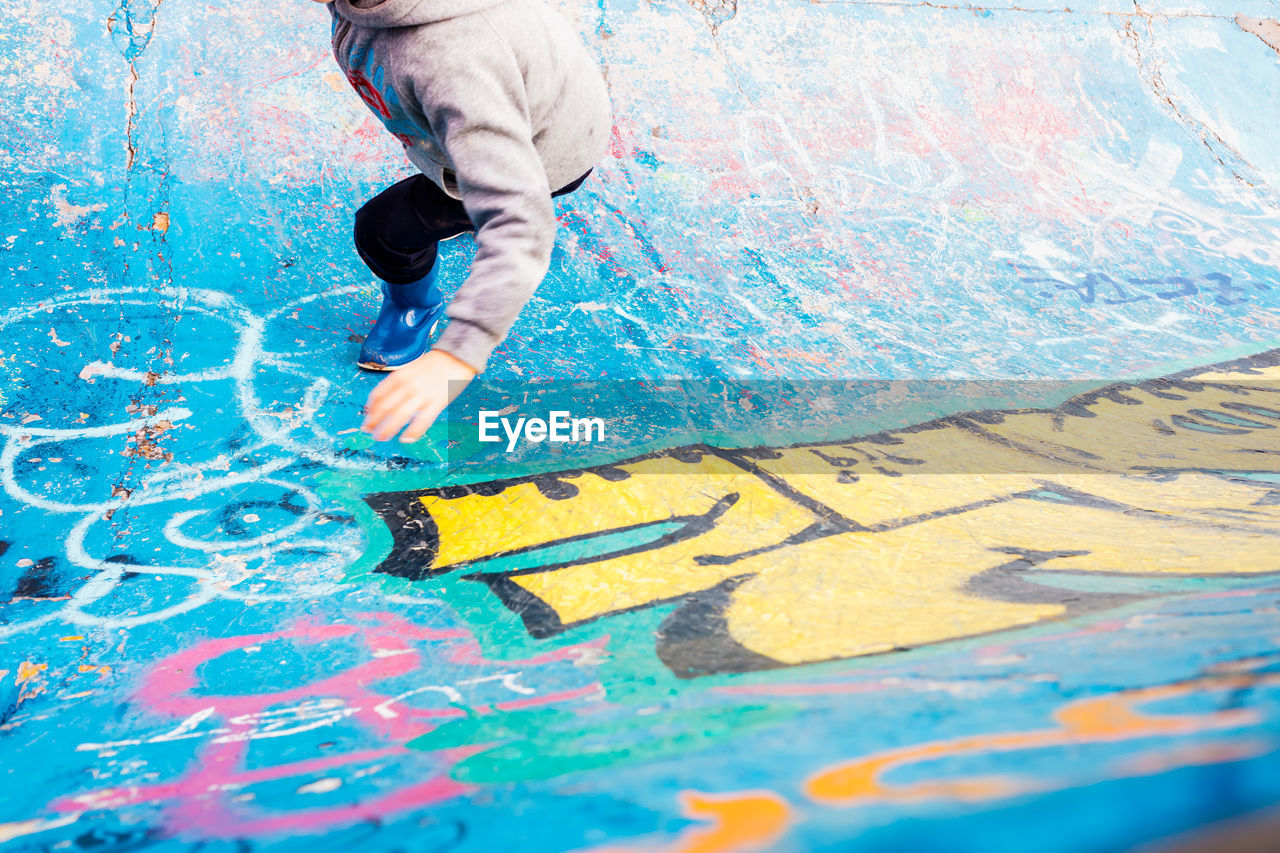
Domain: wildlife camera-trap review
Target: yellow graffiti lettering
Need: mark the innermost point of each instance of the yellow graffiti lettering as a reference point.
(948, 529)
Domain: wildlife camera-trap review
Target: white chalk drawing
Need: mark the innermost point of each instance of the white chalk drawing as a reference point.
(281, 445)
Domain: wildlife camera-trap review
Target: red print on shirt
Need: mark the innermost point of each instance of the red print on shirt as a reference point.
(370, 95)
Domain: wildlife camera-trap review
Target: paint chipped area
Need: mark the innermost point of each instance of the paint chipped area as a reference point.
(229, 622)
(1266, 29)
(39, 81)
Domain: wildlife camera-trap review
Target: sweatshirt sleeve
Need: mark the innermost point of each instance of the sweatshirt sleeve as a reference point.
(478, 110)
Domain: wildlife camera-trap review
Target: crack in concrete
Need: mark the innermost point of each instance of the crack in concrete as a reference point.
(131, 112)
(1149, 71)
(716, 12)
(132, 26)
(131, 35)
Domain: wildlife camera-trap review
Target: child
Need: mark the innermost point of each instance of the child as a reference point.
(500, 106)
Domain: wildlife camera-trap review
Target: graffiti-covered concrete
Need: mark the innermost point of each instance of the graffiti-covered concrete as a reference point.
(911, 621)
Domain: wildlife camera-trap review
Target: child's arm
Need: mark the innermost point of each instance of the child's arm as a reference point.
(477, 109)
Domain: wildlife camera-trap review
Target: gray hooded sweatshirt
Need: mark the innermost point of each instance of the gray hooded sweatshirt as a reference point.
(498, 103)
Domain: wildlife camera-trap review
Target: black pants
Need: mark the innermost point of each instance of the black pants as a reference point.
(398, 229)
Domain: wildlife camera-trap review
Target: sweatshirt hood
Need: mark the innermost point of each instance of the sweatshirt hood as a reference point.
(406, 13)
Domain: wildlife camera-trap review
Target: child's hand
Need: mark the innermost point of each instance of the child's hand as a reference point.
(415, 394)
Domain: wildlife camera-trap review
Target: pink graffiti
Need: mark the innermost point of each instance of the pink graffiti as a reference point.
(208, 800)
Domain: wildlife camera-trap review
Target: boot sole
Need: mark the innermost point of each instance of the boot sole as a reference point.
(378, 368)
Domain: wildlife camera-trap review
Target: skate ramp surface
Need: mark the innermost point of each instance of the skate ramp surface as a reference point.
(964, 534)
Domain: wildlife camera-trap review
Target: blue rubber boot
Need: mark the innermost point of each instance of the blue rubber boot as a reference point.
(405, 322)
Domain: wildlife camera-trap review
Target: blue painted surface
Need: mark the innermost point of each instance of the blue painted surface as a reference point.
(795, 191)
